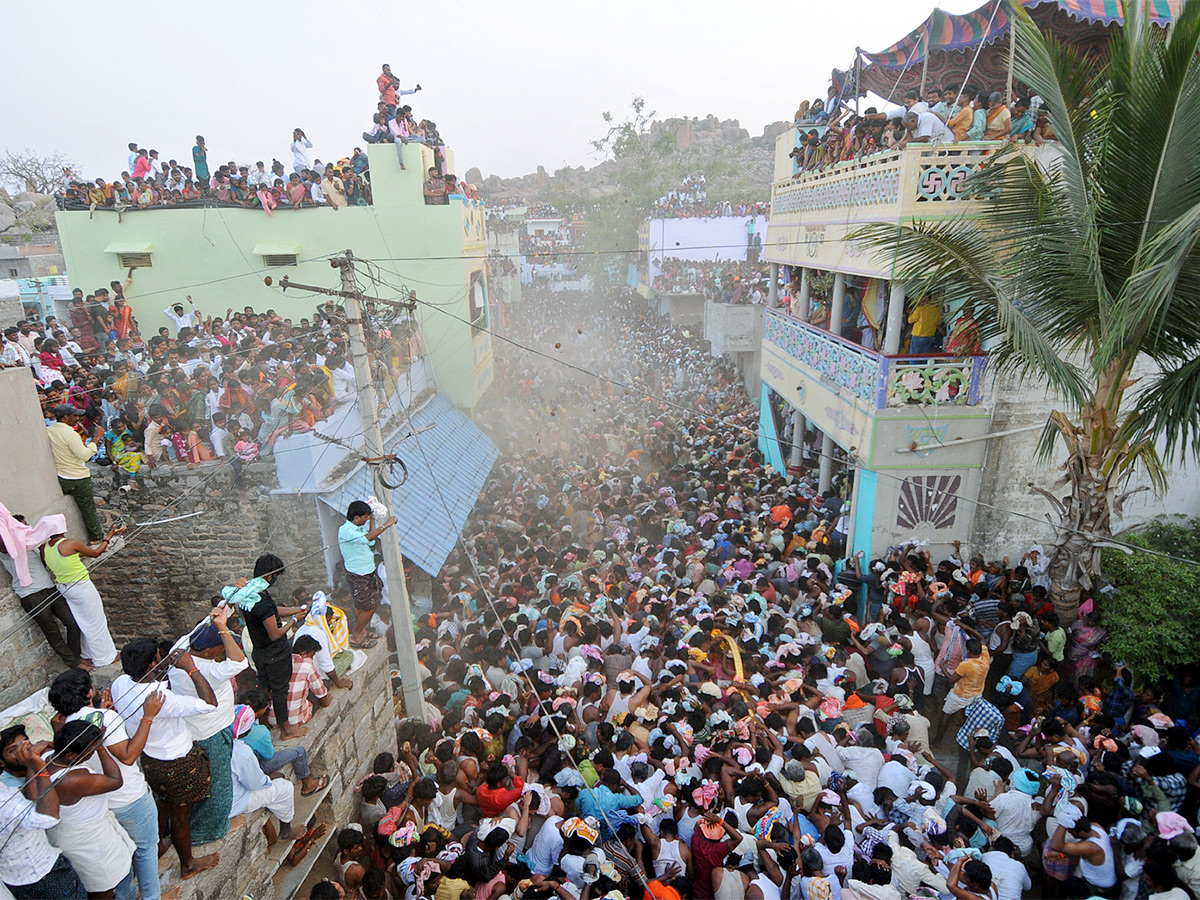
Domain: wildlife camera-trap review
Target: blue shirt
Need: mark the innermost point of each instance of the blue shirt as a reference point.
(259, 740)
(356, 549)
(601, 802)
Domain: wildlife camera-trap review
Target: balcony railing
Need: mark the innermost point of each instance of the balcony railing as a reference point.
(880, 381)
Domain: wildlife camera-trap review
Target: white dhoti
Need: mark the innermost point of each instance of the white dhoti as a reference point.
(88, 609)
(279, 799)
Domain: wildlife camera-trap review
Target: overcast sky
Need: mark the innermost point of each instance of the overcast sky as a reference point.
(510, 85)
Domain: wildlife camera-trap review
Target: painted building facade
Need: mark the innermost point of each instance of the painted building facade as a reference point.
(220, 256)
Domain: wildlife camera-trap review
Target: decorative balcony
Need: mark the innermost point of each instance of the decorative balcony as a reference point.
(872, 379)
(813, 211)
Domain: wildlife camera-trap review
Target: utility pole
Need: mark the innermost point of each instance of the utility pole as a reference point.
(406, 645)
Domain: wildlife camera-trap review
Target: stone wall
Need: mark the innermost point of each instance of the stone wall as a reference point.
(28, 486)
(167, 574)
(342, 740)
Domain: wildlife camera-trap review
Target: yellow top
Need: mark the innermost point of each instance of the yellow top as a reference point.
(66, 569)
(70, 453)
(925, 319)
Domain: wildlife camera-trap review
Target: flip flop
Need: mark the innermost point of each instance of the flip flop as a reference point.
(367, 644)
(321, 783)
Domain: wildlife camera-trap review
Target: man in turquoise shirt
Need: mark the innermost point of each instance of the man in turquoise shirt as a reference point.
(356, 538)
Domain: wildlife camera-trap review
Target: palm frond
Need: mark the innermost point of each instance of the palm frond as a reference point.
(1167, 408)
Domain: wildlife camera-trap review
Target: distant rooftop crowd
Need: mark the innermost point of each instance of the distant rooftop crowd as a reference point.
(948, 115)
(726, 281)
(150, 181)
(691, 201)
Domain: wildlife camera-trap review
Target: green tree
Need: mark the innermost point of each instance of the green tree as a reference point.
(1078, 269)
(1149, 616)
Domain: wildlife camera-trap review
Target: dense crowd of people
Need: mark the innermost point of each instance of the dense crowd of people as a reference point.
(691, 201)
(653, 668)
(203, 388)
(948, 115)
(653, 672)
(726, 281)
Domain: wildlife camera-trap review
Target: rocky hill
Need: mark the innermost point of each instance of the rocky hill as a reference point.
(698, 142)
(24, 214)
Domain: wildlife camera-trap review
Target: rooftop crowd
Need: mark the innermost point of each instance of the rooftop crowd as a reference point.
(690, 201)
(726, 281)
(952, 114)
(148, 180)
(653, 671)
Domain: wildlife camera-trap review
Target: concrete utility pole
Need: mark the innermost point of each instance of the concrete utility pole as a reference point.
(406, 644)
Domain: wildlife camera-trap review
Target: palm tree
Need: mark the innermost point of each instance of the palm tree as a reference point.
(1080, 268)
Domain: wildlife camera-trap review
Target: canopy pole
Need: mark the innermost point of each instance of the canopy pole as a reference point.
(857, 77)
(924, 67)
(1012, 57)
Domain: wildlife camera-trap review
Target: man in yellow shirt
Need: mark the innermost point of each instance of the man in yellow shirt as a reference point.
(925, 320)
(71, 456)
(968, 678)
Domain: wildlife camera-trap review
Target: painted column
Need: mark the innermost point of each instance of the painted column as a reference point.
(804, 289)
(825, 478)
(796, 456)
(773, 288)
(895, 320)
(836, 303)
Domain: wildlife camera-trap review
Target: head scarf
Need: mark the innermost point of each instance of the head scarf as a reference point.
(243, 720)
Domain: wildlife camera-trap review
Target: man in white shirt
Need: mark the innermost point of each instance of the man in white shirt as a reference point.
(29, 866)
(73, 696)
(342, 373)
(14, 354)
(924, 128)
(181, 319)
(174, 766)
(1009, 876)
(300, 143)
(321, 610)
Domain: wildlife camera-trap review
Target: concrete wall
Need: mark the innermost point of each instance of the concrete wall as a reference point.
(698, 239)
(1014, 515)
(164, 579)
(28, 486)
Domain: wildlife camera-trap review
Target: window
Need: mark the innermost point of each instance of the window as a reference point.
(280, 259)
(12, 273)
(135, 260)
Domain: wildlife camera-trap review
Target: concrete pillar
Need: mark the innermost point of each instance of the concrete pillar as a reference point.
(825, 478)
(773, 287)
(804, 289)
(796, 456)
(895, 320)
(836, 303)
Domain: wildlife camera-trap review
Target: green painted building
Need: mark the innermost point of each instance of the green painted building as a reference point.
(220, 256)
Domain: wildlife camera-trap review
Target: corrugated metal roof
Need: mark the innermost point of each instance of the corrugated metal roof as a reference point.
(456, 458)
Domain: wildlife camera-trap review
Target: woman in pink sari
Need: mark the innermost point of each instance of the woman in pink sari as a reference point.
(1087, 637)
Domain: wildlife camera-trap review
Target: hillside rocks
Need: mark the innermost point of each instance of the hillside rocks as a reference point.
(696, 136)
(25, 213)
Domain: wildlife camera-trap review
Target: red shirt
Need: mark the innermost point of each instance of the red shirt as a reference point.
(492, 801)
(387, 92)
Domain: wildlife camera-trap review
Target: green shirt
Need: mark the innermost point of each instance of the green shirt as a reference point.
(1056, 643)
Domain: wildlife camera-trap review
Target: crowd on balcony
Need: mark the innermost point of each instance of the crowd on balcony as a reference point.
(947, 115)
(725, 281)
(691, 201)
(648, 674)
(194, 387)
(926, 327)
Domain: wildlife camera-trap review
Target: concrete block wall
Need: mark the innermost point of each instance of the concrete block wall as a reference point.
(164, 579)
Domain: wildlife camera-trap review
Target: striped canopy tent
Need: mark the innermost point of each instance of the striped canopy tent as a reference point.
(941, 49)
